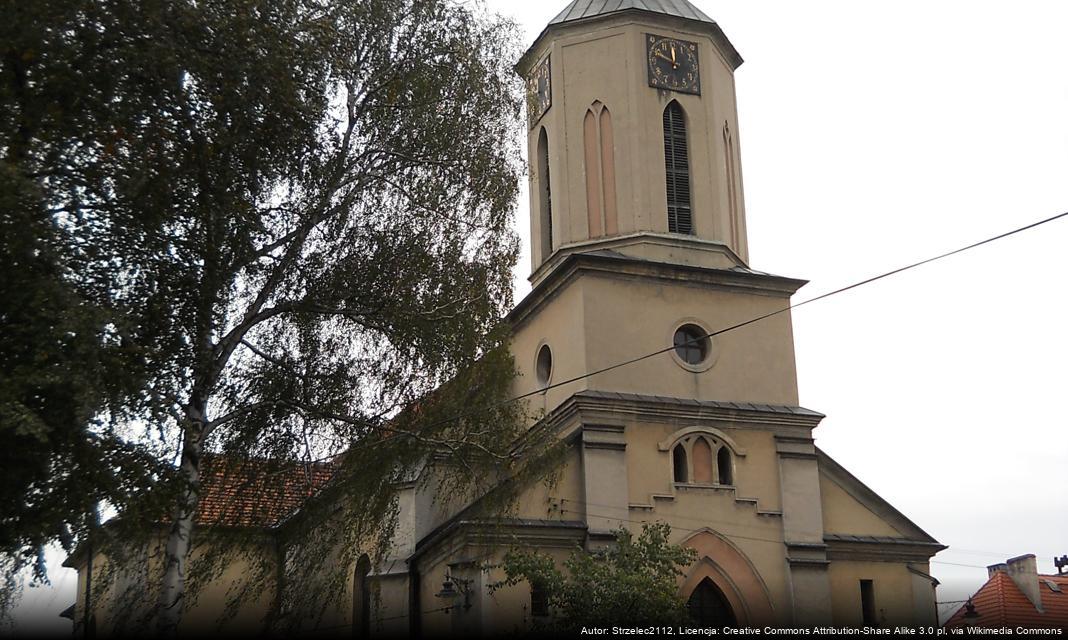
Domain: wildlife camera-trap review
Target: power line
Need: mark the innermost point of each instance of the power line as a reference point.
(727, 535)
(739, 325)
(754, 320)
(799, 304)
(719, 522)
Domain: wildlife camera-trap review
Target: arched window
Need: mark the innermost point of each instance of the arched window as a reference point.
(678, 458)
(701, 456)
(599, 145)
(702, 462)
(545, 197)
(723, 464)
(677, 165)
(361, 599)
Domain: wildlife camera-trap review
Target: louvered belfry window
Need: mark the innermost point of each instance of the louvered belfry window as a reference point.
(677, 164)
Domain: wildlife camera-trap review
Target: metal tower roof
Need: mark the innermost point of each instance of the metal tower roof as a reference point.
(580, 9)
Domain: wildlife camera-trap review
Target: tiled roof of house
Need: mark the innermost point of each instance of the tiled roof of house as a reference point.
(1000, 603)
(256, 493)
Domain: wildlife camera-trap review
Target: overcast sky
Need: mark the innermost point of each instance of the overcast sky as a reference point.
(874, 135)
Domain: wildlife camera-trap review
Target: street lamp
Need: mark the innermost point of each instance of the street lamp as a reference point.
(452, 589)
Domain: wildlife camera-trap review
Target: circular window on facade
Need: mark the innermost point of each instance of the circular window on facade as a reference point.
(543, 367)
(692, 344)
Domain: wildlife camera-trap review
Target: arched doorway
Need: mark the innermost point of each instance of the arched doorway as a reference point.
(709, 608)
(361, 599)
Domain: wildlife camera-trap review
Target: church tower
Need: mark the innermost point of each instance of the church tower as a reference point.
(640, 261)
(633, 141)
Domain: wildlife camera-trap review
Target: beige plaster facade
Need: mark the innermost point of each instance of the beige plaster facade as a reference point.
(784, 533)
(787, 536)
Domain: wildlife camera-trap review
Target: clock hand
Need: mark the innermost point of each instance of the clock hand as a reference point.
(673, 55)
(660, 55)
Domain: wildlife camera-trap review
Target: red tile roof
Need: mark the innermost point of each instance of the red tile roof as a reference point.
(256, 493)
(1000, 603)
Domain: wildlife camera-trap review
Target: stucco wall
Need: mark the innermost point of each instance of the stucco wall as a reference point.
(235, 600)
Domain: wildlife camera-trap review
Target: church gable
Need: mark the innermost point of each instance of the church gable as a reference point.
(851, 509)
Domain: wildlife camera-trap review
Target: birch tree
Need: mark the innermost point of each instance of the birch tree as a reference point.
(296, 213)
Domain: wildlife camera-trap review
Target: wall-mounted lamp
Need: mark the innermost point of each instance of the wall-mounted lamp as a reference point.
(453, 588)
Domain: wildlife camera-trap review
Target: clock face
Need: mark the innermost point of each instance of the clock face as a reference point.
(539, 91)
(673, 64)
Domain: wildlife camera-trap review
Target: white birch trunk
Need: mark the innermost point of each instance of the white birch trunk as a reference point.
(176, 558)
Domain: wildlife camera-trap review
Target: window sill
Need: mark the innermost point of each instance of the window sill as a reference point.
(700, 485)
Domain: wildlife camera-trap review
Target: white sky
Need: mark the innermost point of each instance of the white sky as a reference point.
(874, 135)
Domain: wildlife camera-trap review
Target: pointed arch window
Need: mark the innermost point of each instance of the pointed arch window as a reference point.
(545, 197)
(599, 145)
(723, 466)
(702, 459)
(677, 166)
(361, 599)
(678, 461)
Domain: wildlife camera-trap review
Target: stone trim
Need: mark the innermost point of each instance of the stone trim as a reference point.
(601, 436)
(608, 406)
(563, 534)
(879, 549)
(566, 268)
(666, 444)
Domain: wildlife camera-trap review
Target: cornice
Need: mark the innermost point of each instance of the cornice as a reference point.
(880, 549)
(598, 406)
(563, 534)
(615, 265)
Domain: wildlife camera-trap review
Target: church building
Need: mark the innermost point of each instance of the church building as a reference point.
(639, 245)
(638, 234)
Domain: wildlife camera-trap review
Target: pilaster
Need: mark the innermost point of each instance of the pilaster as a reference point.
(802, 518)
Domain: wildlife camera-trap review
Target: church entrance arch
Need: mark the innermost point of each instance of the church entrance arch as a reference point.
(723, 588)
(708, 606)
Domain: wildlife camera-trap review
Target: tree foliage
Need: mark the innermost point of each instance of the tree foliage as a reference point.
(631, 583)
(258, 228)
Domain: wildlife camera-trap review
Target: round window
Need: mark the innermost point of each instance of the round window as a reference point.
(544, 365)
(691, 344)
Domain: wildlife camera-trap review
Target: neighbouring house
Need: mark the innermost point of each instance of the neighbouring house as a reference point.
(638, 243)
(243, 514)
(1016, 595)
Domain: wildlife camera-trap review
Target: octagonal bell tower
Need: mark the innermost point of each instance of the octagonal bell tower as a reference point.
(633, 141)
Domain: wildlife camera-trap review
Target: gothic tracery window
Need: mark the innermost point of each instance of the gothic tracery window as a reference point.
(702, 459)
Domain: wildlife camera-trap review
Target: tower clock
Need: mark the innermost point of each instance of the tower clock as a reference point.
(539, 91)
(673, 64)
